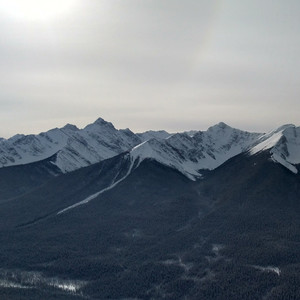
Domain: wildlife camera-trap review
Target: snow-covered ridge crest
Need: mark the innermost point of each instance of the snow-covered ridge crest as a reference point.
(283, 145)
(24, 149)
(203, 150)
(96, 142)
(150, 134)
(71, 148)
(191, 153)
(74, 148)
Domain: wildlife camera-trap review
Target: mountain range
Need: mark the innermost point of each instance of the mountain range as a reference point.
(102, 213)
(72, 148)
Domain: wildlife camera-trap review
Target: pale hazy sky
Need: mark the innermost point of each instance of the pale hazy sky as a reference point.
(149, 64)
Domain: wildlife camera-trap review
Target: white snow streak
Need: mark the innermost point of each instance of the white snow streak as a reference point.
(267, 142)
(283, 145)
(271, 269)
(91, 197)
(282, 161)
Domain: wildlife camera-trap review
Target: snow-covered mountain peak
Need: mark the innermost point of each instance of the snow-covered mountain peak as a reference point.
(70, 127)
(71, 148)
(97, 141)
(225, 138)
(162, 152)
(272, 138)
(284, 127)
(100, 123)
(287, 149)
(222, 135)
(283, 145)
(191, 154)
(222, 129)
(219, 126)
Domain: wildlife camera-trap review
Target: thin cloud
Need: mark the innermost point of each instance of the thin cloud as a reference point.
(163, 64)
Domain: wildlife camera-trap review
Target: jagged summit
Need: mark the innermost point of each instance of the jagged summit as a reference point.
(283, 145)
(70, 127)
(188, 152)
(74, 148)
(220, 125)
(203, 150)
(100, 123)
(137, 226)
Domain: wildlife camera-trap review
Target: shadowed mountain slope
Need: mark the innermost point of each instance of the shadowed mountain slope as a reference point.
(157, 235)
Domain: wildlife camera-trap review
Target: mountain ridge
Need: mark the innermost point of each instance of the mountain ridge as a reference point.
(189, 152)
(157, 234)
(140, 225)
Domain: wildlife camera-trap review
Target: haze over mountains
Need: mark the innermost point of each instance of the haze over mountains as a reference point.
(101, 213)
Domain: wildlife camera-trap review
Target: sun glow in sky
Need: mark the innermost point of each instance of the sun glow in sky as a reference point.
(36, 10)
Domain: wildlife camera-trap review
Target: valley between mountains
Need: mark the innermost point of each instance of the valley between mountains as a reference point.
(103, 213)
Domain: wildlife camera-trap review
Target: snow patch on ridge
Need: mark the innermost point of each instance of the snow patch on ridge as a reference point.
(290, 145)
(267, 142)
(283, 145)
(203, 150)
(269, 269)
(163, 154)
(276, 158)
(21, 149)
(95, 195)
